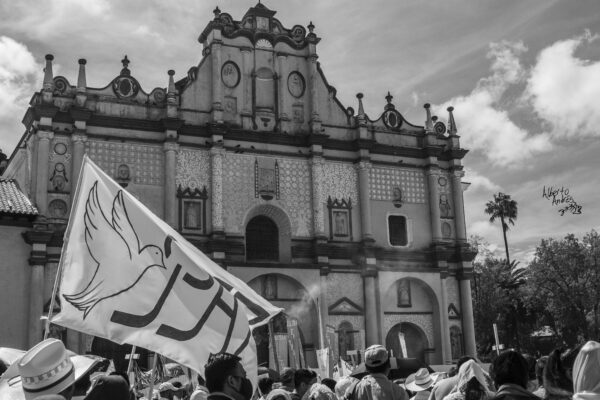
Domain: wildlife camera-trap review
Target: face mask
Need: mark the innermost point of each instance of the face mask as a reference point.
(245, 389)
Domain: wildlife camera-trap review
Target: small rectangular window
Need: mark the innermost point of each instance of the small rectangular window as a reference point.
(397, 230)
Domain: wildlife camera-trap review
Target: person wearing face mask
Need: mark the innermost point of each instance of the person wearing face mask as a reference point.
(226, 378)
(303, 380)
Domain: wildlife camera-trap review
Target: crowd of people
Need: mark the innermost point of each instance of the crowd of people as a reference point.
(48, 372)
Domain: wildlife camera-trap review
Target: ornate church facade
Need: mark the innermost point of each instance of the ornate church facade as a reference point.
(354, 225)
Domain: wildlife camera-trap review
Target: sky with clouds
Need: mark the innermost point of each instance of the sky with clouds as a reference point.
(523, 76)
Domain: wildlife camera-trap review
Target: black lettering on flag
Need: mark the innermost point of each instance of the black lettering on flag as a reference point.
(260, 312)
(181, 335)
(139, 321)
(243, 345)
(198, 283)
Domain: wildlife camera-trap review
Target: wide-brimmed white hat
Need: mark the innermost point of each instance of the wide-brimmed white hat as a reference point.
(11, 387)
(46, 368)
(423, 381)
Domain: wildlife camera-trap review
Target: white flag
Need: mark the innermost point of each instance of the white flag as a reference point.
(129, 277)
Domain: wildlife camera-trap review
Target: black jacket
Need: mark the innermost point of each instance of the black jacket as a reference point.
(514, 392)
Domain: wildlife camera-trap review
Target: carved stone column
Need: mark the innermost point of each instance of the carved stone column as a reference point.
(41, 190)
(444, 326)
(216, 165)
(323, 302)
(317, 170)
(246, 73)
(371, 312)
(78, 142)
(466, 306)
(170, 149)
(36, 302)
(38, 238)
(459, 208)
(315, 119)
(364, 168)
(434, 199)
(217, 88)
(283, 117)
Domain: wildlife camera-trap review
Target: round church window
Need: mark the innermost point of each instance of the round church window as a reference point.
(60, 148)
(392, 119)
(125, 86)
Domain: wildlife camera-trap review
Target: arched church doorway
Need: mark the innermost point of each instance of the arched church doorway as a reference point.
(283, 291)
(414, 339)
(262, 239)
(119, 353)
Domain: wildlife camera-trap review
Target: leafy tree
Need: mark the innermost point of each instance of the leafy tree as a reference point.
(505, 209)
(497, 298)
(565, 278)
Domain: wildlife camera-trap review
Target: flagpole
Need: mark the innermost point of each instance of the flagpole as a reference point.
(130, 365)
(52, 301)
(65, 239)
(154, 363)
(273, 345)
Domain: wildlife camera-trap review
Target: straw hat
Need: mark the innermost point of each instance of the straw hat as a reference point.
(279, 394)
(423, 381)
(46, 369)
(11, 387)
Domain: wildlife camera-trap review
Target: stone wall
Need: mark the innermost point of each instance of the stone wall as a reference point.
(14, 287)
(348, 285)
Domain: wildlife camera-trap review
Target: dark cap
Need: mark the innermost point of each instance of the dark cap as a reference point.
(376, 355)
(287, 375)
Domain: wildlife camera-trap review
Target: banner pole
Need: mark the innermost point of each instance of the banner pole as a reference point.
(496, 339)
(273, 348)
(52, 301)
(154, 363)
(130, 365)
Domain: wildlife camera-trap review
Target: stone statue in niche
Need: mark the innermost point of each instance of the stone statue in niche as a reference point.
(270, 287)
(397, 197)
(404, 293)
(340, 223)
(192, 214)
(123, 171)
(123, 175)
(445, 208)
(266, 178)
(59, 178)
(266, 183)
(57, 208)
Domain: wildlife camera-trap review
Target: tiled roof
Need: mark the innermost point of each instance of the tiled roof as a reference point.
(13, 201)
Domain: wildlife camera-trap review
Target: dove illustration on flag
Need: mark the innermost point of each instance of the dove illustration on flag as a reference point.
(127, 276)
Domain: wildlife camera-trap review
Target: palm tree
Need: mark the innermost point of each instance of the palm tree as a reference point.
(506, 209)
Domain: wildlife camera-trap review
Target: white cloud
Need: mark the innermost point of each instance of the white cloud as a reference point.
(47, 20)
(484, 228)
(484, 124)
(564, 90)
(415, 99)
(480, 182)
(19, 78)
